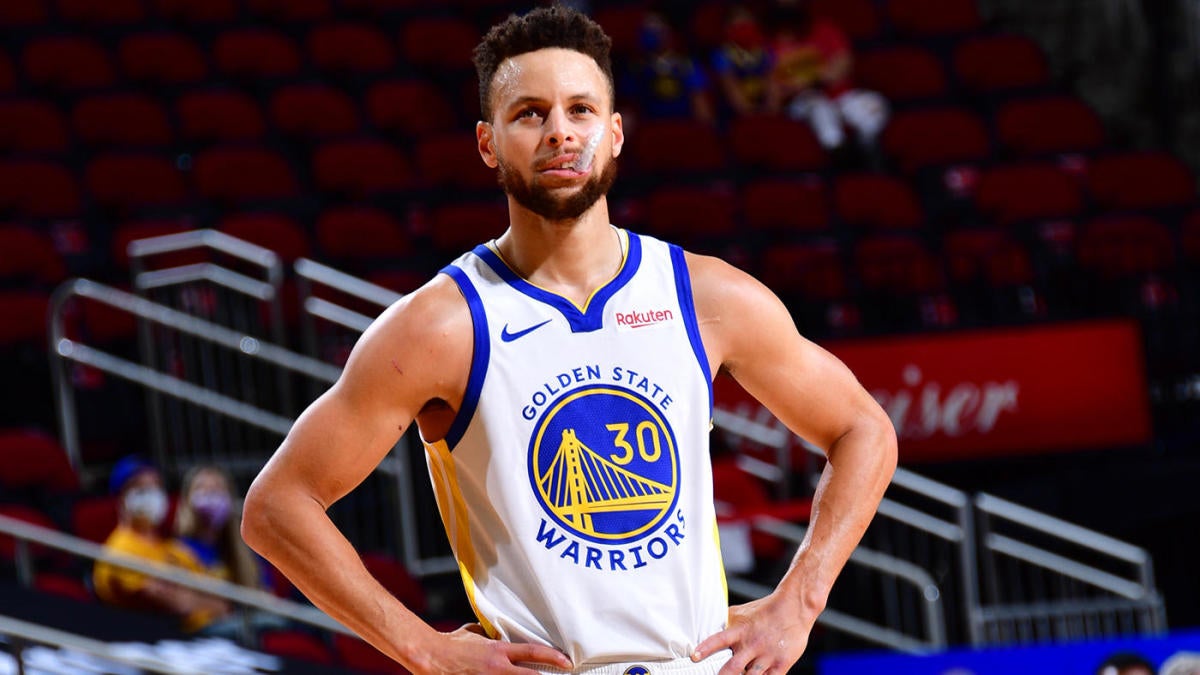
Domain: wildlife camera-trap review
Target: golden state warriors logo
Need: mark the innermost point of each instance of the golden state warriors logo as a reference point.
(636, 670)
(604, 465)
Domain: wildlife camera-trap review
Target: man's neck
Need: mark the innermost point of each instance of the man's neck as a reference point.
(571, 258)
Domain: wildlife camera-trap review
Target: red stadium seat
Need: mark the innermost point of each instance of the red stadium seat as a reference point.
(623, 23)
(240, 174)
(902, 73)
(361, 168)
(22, 13)
(29, 255)
(295, 644)
(986, 255)
(769, 142)
(994, 63)
(290, 10)
(438, 43)
(350, 48)
(1023, 192)
(707, 25)
(920, 138)
(786, 205)
(122, 120)
(32, 125)
(190, 12)
(457, 227)
(278, 233)
(38, 189)
(361, 233)
(1189, 238)
(896, 265)
(104, 324)
(94, 518)
(396, 579)
(24, 315)
(31, 516)
(34, 460)
(101, 14)
(412, 108)
(63, 585)
(452, 160)
(747, 497)
(313, 111)
(877, 202)
(859, 19)
(219, 116)
(68, 64)
(931, 18)
(814, 271)
(162, 59)
(359, 655)
(130, 181)
(1125, 247)
(255, 53)
(1141, 180)
(688, 212)
(1048, 125)
(671, 147)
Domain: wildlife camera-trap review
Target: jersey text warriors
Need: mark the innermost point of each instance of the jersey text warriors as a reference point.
(575, 482)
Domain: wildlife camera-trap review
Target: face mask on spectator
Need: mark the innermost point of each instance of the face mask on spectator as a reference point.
(212, 507)
(148, 503)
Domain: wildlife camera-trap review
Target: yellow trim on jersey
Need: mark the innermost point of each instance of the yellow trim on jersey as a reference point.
(452, 504)
(720, 559)
(622, 237)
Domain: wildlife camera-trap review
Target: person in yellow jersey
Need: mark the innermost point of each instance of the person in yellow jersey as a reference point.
(142, 506)
(561, 380)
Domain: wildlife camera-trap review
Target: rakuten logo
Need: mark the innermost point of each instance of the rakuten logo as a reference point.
(643, 319)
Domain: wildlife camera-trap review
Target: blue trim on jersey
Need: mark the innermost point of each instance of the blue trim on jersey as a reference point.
(579, 321)
(683, 288)
(480, 353)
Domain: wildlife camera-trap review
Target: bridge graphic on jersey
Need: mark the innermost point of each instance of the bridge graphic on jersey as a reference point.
(579, 482)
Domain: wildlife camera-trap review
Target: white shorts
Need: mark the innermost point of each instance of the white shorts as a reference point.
(710, 666)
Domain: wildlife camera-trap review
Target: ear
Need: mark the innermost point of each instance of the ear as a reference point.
(486, 143)
(618, 134)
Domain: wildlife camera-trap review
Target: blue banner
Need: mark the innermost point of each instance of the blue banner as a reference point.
(1074, 658)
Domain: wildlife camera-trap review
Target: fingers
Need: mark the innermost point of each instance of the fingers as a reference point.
(715, 643)
(532, 653)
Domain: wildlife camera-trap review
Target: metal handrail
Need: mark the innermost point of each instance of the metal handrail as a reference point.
(213, 239)
(216, 274)
(1082, 536)
(32, 632)
(27, 532)
(1065, 566)
(346, 283)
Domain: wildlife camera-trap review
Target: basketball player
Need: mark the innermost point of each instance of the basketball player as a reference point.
(561, 380)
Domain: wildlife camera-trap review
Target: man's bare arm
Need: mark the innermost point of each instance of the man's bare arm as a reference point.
(748, 332)
(418, 351)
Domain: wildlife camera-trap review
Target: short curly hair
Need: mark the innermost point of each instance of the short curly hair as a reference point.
(542, 28)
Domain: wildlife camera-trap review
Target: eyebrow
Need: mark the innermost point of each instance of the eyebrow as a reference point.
(526, 100)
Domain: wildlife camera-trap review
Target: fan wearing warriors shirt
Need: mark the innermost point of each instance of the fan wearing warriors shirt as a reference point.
(561, 380)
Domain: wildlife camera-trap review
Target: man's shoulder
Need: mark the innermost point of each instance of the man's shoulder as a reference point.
(430, 311)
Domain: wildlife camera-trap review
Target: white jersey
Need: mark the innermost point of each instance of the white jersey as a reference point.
(575, 483)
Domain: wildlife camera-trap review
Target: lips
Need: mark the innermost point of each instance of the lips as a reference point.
(564, 161)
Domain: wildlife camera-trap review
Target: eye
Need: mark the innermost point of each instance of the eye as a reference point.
(581, 109)
(528, 113)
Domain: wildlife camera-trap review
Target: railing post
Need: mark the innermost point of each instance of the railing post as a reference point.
(969, 577)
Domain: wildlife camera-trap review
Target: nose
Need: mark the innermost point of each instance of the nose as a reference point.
(558, 129)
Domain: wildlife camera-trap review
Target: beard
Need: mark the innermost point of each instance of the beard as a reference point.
(541, 201)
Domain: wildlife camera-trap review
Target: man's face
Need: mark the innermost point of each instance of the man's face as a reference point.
(551, 112)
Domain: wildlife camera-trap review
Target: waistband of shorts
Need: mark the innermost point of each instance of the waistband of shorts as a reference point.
(685, 666)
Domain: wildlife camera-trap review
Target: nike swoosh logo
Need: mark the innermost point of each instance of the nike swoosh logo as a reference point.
(509, 337)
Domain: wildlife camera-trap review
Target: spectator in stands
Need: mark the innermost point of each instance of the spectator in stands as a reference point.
(1181, 663)
(742, 64)
(811, 78)
(207, 524)
(1125, 663)
(664, 82)
(143, 506)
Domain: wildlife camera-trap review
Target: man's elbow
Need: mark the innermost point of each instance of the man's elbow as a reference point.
(886, 443)
(256, 519)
